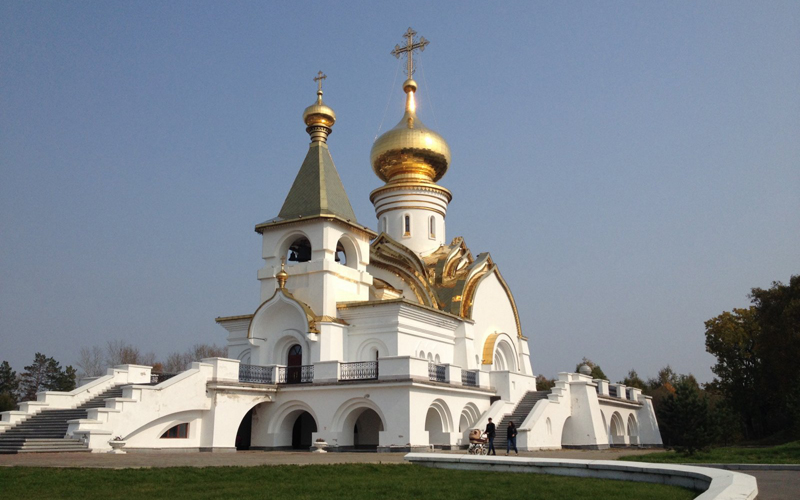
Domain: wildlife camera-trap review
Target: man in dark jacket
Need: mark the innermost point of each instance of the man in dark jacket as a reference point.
(490, 430)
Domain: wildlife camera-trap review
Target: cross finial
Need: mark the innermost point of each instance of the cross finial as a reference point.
(320, 76)
(409, 49)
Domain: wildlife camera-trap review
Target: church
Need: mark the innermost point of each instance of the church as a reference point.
(389, 339)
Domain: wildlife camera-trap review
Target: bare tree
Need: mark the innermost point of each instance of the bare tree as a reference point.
(119, 352)
(179, 361)
(92, 361)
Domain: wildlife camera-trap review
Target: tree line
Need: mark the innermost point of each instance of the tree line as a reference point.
(755, 396)
(47, 374)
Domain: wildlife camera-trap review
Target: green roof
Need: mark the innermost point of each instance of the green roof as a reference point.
(317, 189)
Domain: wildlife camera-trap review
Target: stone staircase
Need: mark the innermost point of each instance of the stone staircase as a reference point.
(45, 431)
(521, 411)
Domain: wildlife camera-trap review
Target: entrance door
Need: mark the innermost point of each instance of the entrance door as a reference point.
(294, 364)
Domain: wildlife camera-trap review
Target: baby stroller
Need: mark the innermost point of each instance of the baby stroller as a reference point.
(478, 443)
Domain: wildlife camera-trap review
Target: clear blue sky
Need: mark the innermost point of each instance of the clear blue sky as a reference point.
(633, 168)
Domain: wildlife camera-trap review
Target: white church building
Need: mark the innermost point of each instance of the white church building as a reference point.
(389, 339)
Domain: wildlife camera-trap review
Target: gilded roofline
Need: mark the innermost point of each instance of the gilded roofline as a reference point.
(311, 318)
(357, 304)
(398, 186)
(332, 218)
(412, 207)
(222, 319)
(488, 349)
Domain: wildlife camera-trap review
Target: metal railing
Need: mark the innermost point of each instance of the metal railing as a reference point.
(157, 378)
(255, 374)
(469, 377)
(296, 374)
(436, 373)
(360, 370)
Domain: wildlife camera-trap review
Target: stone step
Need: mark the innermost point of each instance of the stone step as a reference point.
(45, 431)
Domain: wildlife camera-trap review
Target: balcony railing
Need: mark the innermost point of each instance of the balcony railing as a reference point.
(436, 373)
(157, 378)
(296, 374)
(361, 370)
(469, 377)
(255, 374)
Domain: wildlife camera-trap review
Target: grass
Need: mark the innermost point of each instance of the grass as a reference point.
(788, 453)
(351, 482)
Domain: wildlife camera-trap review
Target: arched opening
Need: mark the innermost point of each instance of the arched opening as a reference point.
(245, 432)
(437, 359)
(504, 357)
(294, 363)
(299, 251)
(433, 227)
(366, 430)
(469, 415)
(406, 225)
(302, 429)
(617, 430)
(385, 225)
(341, 255)
(438, 423)
(633, 431)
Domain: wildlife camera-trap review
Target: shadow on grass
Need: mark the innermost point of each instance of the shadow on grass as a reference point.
(788, 453)
(351, 482)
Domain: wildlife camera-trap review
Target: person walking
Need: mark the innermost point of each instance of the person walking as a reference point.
(511, 436)
(490, 431)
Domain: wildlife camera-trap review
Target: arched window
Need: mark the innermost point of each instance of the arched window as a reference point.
(180, 431)
(341, 256)
(385, 225)
(406, 225)
(299, 250)
(433, 227)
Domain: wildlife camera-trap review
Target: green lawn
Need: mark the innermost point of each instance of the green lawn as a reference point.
(788, 453)
(351, 482)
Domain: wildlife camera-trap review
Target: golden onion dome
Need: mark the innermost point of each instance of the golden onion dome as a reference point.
(319, 118)
(410, 151)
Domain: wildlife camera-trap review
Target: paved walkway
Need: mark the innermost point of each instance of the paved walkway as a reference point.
(251, 458)
(772, 485)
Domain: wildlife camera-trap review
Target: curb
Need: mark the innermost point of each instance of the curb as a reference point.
(776, 467)
(715, 484)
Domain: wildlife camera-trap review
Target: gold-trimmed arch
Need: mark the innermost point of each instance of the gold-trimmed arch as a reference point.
(488, 349)
(311, 318)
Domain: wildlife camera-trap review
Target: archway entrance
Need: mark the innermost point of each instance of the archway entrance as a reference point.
(245, 431)
(366, 430)
(303, 426)
(294, 364)
(435, 428)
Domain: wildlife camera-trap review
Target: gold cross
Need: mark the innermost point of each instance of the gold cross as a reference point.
(409, 49)
(320, 76)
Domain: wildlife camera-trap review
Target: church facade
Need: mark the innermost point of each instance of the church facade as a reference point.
(387, 339)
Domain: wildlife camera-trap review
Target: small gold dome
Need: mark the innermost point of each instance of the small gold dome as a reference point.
(319, 113)
(410, 151)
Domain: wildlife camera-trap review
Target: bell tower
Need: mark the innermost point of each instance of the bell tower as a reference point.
(316, 231)
(410, 158)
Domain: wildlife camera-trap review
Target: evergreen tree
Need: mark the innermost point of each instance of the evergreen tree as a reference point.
(688, 424)
(9, 384)
(45, 374)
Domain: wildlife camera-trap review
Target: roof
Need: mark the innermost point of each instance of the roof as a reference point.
(317, 189)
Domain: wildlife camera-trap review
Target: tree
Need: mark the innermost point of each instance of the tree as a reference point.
(778, 347)
(597, 372)
(633, 380)
(178, 361)
(9, 384)
(732, 338)
(686, 420)
(45, 374)
(757, 351)
(34, 378)
(544, 384)
(92, 361)
(119, 352)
